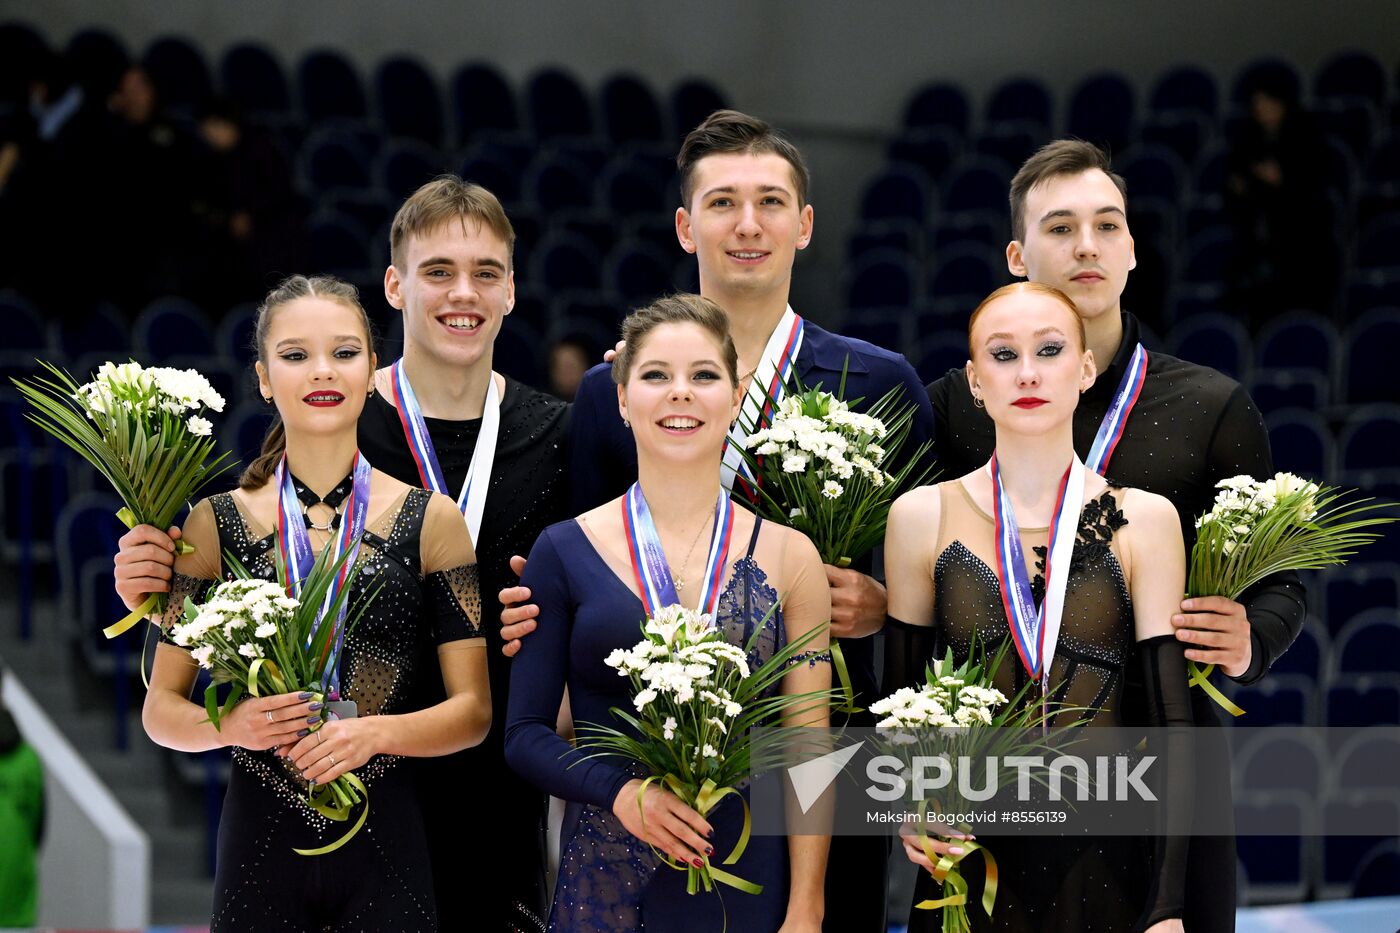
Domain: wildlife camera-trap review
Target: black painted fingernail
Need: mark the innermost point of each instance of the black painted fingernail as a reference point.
(709, 850)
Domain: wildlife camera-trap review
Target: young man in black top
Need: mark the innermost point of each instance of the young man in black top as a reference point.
(1189, 428)
(451, 274)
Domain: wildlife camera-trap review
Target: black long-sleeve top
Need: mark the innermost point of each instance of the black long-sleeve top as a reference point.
(1191, 427)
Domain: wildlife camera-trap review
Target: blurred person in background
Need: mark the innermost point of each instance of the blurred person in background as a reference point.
(21, 822)
(569, 359)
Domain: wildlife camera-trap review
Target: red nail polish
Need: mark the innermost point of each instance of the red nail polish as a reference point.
(699, 863)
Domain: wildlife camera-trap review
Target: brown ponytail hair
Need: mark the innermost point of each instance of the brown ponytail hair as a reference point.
(261, 470)
(675, 309)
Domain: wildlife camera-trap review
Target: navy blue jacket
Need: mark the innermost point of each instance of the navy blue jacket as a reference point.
(604, 461)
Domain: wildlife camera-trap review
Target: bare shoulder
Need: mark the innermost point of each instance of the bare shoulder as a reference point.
(1149, 512)
(917, 504)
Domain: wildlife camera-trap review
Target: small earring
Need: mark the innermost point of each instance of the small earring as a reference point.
(267, 399)
(626, 423)
(977, 401)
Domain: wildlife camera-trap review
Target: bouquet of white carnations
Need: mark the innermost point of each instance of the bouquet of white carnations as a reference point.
(144, 430)
(822, 469)
(250, 634)
(1256, 529)
(958, 715)
(696, 699)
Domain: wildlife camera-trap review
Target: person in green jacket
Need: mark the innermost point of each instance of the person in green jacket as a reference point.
(21, 824)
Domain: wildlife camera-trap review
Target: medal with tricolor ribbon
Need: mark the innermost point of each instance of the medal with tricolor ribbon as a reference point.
(471, 500)
(295, 551)
(769, 383)
(1036, 632)
(649, 565)
(1116, 418)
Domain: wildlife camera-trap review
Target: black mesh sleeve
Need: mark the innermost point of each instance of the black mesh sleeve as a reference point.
(907, 649)
(1169, 715)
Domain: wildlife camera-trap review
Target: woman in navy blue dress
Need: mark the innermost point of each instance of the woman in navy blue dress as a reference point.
(679, 390)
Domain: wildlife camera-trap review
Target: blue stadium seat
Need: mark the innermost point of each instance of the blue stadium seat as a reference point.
(329, 86)
(1367, 441)
(1368, 644)
(1342, 855)
(482, 101)
(337, 245)
(883, 327)
(1365, 762)
(494, 171)
(967, 273)
(1010, 142)
(1303, 659)
(567, 262)
(1275, 70)
(85, 540)
(332, 159)
(170, 327)
(97, 59)
(1298, 340)
(1286, 762)
(1184, 133)
(897, 193)
(1375, 246)
(1352, 75)
(1275, 390)
(245, 426)
(1276, 866)
(1207, 259)
(985, 230)
(555, 182)
(931, 149)
(882, 280)
(1348, 591)
(101, 335)
(179, 72)
(1352, 122)
(1365, 366)
(1278, 701)
(901, 236)
(937, 353)
(26, 333)
(1382, 180)
(638, 273)
(404, 165)
(979, 185)
(1188, 89)
(1301, 442)
(407, 100)
(557, 105)
(692, 101)
(1215, 340)
(518, 353)
(1212, 169)
(630, 186)
(1101, 110)
(1023, 98)
(233, 336)
(251, 74)
(631, 112)
(1378, 875)
(940, 107)
(1361, 702)
(1153, 172)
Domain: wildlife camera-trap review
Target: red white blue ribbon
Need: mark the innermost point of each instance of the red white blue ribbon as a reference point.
(298, 557)
(1036, 632)
(653, 573)
(471, 500)
(769, 383)
(1116, 418)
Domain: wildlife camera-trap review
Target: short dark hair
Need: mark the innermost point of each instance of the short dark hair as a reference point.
(1061, 157)
(729, 131)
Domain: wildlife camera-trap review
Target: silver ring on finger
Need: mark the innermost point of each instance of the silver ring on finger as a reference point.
(269, 715)
(331, 757)
(320, 739)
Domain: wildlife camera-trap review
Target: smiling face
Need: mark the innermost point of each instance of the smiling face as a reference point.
(317, 365)
(1028, 361)
(1077, 240)
(455, 288)
(744, 223)
(679, 396)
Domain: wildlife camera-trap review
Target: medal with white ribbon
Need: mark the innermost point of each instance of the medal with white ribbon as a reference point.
(471, 500)
(1036, 632)
(649, 565)
(1116, 418)
(298, 557)
(767, 387)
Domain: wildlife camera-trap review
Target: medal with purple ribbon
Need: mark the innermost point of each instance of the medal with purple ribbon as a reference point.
(1036, 632)
(1116, 418)
(471, 500)
(294, 548)
(767, 387)
(653, 573)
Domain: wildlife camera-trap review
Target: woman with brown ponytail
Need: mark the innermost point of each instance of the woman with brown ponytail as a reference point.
(316, 365)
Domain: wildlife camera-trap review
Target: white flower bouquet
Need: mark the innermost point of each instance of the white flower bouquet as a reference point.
(250, 634)
(696, 697)
(824, 469)
(144, 430)
(1259, 528)
(957, 713)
